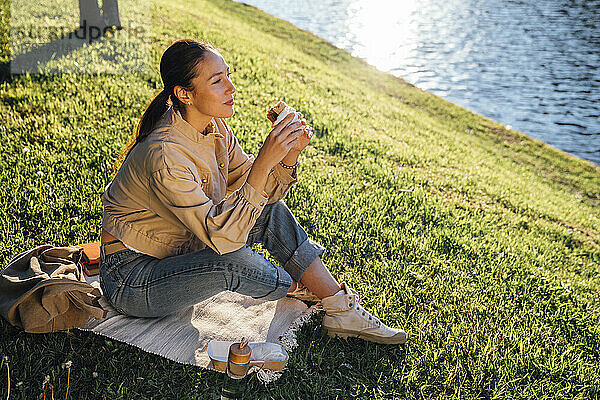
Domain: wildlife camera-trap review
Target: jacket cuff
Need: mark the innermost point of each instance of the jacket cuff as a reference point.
(285, 176)
(253, 196)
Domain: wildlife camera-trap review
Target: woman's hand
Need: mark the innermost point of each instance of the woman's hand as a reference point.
(305, 137)
(283, 137)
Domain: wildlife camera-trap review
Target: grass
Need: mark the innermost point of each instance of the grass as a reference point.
(397, 184)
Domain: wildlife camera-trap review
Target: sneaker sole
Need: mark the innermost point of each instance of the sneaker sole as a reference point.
(399, 338)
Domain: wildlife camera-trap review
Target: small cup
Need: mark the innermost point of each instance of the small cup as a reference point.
(238, 360)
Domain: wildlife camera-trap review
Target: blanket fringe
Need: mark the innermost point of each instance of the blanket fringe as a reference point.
(289, 342)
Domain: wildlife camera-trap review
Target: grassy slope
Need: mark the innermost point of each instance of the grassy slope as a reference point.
(397, 182)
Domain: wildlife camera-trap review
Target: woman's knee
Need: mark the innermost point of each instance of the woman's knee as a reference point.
(277, 208)
(281, 215)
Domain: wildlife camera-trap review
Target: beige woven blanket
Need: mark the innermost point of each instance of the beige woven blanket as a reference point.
(183, 336)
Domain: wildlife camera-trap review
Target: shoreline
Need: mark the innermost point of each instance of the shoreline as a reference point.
(536, 131)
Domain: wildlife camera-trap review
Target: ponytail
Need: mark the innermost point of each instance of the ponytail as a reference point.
(154, 111)
(178, 66)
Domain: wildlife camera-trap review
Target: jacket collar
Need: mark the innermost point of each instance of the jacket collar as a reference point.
(188, 130)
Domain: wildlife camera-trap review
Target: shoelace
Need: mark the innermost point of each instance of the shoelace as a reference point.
(365, 313)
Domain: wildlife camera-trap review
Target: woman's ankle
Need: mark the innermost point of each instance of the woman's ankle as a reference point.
(293, 286)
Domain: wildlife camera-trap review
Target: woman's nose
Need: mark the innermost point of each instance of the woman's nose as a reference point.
(231, 88)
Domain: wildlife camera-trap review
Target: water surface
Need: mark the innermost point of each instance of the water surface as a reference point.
(532, 65)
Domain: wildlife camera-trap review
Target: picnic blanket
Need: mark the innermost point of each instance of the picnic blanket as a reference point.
(184, 336)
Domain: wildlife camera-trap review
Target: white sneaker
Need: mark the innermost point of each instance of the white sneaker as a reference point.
(345, 318)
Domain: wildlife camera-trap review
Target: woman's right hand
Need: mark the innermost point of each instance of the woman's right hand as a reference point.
(281, 139)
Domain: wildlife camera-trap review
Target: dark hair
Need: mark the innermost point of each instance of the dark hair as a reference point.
(178, 66)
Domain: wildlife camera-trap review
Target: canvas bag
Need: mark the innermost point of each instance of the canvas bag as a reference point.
(43, 290)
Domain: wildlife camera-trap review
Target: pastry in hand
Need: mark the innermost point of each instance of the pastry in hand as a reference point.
(279, 112)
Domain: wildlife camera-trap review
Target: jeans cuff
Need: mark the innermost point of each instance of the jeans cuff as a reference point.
(301, 259)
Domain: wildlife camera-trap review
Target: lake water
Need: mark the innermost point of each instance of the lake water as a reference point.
(533, 65)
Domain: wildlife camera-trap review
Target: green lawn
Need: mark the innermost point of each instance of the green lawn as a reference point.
(397, 183)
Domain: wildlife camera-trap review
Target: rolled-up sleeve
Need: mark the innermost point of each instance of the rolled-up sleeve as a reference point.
(224, 227)
(278, 182)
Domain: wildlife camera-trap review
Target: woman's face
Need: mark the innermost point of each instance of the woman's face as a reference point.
(213, 90)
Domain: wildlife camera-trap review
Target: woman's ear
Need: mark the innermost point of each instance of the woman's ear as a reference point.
(182, 94)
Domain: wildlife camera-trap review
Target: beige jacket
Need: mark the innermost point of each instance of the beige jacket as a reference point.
(180, 190)
(44, 290)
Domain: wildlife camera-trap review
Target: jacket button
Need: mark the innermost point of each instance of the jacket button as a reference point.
(262, 203)
(204, 180)
(221, 165)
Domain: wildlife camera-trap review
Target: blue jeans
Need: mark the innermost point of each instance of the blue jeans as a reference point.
(144, 286)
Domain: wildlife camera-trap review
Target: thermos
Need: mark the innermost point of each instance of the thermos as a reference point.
(238, 362)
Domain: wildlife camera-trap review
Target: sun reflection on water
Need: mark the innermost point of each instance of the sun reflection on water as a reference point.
(386, 28)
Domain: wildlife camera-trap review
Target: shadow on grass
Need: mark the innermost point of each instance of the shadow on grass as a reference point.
(320, 367)
(32, 60)
(325, 368)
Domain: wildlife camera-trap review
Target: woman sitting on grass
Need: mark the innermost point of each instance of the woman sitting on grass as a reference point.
(187, 204)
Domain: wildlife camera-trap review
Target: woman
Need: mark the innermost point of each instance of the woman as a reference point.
(187, 204)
